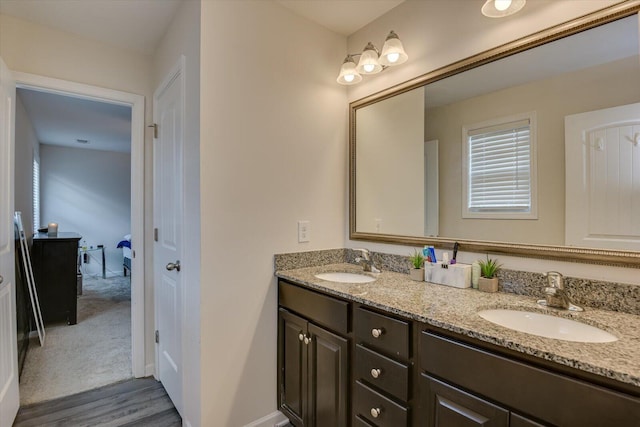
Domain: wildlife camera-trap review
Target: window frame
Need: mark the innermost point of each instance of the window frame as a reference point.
(35, 193)
(532, 213)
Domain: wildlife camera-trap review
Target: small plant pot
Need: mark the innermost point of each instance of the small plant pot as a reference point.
(417, 274)
(488, 285)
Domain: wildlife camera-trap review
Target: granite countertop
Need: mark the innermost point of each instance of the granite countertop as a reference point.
(455, 310)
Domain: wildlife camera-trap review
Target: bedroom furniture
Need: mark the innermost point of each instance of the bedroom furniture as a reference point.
(85, 254)
(125, 244)
(55, 272)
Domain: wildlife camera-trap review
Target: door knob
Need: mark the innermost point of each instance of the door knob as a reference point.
(174, 266)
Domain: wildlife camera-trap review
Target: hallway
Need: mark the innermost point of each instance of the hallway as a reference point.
(137, 402)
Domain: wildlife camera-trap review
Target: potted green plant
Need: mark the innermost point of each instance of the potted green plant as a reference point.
(417, 266)
(488, 282)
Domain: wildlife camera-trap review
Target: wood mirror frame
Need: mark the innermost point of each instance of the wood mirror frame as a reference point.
(553, 252)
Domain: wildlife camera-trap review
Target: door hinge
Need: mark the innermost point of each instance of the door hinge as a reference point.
(155, 130)
(157, 337)
(155, 234)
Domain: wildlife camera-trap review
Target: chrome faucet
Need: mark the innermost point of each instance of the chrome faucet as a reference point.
(555, 295)
(366, 261)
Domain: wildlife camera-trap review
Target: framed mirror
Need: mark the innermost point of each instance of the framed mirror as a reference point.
(414, 149)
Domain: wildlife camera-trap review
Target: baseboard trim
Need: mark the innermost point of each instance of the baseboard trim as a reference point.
(271, 420)
(150, 370)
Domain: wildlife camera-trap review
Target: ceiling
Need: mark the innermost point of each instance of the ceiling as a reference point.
(137, 25)
(63, 120)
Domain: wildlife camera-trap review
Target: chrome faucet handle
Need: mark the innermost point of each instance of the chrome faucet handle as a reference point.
(555, 279)
(366, 255)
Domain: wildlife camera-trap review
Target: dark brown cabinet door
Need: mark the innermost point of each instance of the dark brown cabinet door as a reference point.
(328, 377)
(313, 373)
(292, 366)
(447, 406)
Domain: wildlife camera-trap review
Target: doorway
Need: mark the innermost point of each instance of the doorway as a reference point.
(136, 105)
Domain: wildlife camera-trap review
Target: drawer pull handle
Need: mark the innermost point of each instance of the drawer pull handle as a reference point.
(301, 336)
(376, 332)
(375, 412)
(375, 373)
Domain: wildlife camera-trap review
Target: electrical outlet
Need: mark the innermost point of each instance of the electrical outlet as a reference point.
(303, 231)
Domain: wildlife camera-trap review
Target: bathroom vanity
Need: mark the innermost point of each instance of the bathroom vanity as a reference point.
(396, 352)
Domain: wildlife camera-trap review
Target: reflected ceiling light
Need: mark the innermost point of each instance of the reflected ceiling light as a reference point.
(500, 8)
(371, 61)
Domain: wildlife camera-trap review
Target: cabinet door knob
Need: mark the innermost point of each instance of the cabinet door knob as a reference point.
(307, 340)
(301, 336)
(376, 332)
(375, 372)
(375, 412)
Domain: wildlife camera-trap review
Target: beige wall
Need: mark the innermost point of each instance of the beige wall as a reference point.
(27, 147)
(183, 38)
(608, 86)
(43, 51)
(390, 168)
(438, 33)
(273, 151)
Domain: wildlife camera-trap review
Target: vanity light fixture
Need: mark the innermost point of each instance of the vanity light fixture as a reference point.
(501, 8)
(372, 61)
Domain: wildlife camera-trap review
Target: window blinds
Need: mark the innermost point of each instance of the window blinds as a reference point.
(499, 177)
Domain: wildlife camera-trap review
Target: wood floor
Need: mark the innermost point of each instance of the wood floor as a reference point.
(137, 402)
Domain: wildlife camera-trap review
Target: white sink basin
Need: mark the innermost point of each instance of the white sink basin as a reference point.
(547, 326)
(346, 277)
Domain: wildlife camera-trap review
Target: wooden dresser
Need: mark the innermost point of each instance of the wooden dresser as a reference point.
(55, 267)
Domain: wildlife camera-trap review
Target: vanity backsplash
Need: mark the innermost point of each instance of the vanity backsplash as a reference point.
(612, 296)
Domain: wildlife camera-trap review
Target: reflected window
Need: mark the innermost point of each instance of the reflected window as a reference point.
(500, 168)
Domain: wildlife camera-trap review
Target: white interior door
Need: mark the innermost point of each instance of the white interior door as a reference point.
(168, 204)
(9, 397)
(603, 178)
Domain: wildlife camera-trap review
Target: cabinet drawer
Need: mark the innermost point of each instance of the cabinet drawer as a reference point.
(367, 402)
(449, 406)
(390, 376)
(490, 375)
(324, 310)
(383, 333)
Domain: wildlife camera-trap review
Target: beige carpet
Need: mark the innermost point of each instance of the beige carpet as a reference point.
(93, 353)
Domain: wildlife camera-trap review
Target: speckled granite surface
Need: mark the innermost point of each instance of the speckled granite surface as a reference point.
(587, 293)
(456, 310)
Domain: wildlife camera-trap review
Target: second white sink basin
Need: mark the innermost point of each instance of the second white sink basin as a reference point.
(346, 277)
(547, 326)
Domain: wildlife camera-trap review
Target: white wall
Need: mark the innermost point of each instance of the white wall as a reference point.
(88, 192)
(183, 38)
(27, 146)
(37, 49)
(273, 151)
(435, 34)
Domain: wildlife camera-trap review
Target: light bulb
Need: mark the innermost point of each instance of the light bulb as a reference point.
(369, 68)
(349, 78)
(502, 4)
(393, 57)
